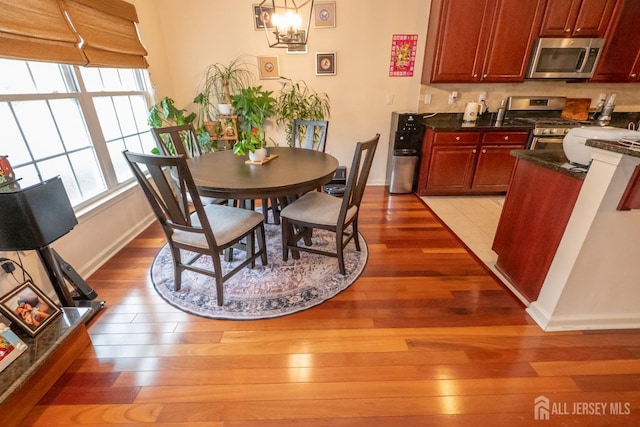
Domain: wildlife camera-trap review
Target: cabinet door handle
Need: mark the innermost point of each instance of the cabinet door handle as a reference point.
(475, 76)
(485, 75)
(474, 151)
(567, 30)
(484, 150)
(457, 138)
(506, 138)
(578, 30)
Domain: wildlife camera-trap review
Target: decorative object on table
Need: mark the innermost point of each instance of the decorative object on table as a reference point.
(262, 16)
(268, 67)
(253, 106)
(192, 230)
(280, 289)
(29, 308)
(267, 159)
(325, 14)
(32, 219)
(325, 63)
(403, 55)
(298, 101)
(290, 19)
(320, 211)
(11, 346)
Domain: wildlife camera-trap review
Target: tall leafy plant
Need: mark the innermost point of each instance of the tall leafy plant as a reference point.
(253, 106)
(298, 101)
(165, 113)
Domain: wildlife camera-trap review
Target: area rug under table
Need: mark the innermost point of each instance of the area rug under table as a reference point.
(278, 289)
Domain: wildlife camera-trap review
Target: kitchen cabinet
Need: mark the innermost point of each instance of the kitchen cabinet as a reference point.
(620, 58)
(487, 41)
(533, 220)
(576, 18)
(468, 162)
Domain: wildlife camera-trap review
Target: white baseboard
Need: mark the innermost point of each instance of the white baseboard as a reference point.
(582, 322)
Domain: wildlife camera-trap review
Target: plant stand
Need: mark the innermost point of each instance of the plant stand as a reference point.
(229, 126)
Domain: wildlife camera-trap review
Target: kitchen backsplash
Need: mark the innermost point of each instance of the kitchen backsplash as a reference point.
(627, 99)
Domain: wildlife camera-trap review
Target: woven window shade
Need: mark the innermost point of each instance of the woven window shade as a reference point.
(109, 33)
(37, 30)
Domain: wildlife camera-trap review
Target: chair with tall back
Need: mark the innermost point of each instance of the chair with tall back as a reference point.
(320, 210)
(182, 139)
(207, 230)
(310, 134)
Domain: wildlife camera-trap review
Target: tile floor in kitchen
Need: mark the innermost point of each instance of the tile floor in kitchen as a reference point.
(474, 219)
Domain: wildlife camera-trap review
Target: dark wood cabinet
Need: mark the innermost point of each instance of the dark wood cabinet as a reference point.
(468, 162)
(576, 18)
(620, 58)
(480, 40)
(534, 217)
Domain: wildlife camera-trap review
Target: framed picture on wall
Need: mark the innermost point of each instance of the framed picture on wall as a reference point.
(325, 63)
(29, 308)
(268, 67)
(297, 49)
(260, 18)
(324, 14)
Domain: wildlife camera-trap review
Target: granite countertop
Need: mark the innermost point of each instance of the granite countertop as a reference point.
(613, 146)
(453, 122)
(551, 159)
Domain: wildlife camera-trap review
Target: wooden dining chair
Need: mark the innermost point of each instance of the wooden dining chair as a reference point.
(206, 230)
(321, 210)
(182, 139)
(309, 134)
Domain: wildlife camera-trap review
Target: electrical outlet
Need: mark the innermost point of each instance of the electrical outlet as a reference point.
(482, 97)
(453, 97)
(427, 98)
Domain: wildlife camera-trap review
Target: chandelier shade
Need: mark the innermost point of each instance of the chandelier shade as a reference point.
(286, 22)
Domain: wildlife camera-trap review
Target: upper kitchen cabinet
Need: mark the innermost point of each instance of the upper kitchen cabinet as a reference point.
(471, 41)
(576, 18)
(620, 58)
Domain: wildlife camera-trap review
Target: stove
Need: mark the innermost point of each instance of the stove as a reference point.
(544, 115)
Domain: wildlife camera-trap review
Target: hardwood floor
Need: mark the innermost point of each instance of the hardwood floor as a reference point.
(425, 337)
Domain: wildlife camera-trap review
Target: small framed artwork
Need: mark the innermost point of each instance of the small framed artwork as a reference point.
(268, 67)
(325, 63)
(29, 308)
(10, 345)
(325, 14)
(260, 18)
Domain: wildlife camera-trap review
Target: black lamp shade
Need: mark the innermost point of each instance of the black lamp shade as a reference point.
(33, 217)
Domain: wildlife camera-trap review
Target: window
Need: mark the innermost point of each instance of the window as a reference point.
(74, 122)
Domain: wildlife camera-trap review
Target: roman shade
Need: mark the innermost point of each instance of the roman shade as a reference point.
(38, 30)
(82, 32)
(109, 33)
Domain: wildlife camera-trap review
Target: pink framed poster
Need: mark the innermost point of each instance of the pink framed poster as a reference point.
(403, 55)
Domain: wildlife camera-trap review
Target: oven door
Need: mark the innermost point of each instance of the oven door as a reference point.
(546, 143)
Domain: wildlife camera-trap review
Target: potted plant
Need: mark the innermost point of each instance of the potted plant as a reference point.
(165, 113)
(299, 101)
(221, 81)
(253, 106)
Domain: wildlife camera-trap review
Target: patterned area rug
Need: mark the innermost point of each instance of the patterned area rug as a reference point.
(279, 289)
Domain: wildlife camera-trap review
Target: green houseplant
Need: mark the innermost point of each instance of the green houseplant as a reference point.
(298, 101)
(222, 81)
(253, 106)
(165, 113)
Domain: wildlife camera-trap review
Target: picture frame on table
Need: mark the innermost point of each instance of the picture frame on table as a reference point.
(325, 63)
(11, 346)
(268, 67)
(260, 18)
(29, 308)
(324, 14)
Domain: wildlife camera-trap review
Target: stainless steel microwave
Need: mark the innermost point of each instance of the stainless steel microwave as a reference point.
(564, 58)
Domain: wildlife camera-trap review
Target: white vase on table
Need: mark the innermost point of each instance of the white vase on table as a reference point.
(258, 155)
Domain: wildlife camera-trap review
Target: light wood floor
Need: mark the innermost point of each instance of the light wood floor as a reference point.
(425, 337)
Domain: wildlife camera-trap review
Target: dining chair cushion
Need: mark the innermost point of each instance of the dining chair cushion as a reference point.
(318, 208)
(227, 223)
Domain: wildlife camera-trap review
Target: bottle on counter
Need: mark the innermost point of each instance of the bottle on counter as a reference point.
(501, 112)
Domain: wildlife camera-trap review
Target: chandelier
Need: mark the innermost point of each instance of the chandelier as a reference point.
(284, 22)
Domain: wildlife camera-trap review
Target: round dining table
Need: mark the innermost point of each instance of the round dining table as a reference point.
(292, 171)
